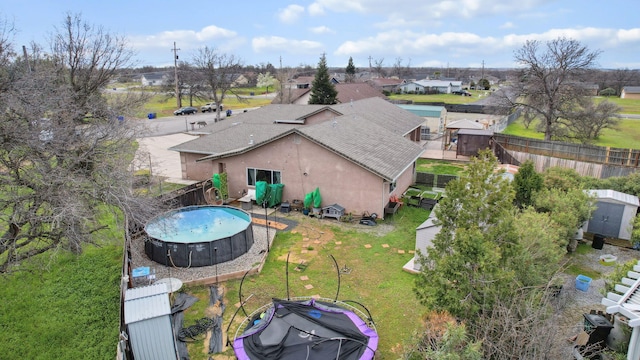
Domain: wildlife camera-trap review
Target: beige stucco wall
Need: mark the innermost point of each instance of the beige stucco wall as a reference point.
(305, 166)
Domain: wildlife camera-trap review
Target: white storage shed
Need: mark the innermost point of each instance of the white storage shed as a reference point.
(147, 314)
(614, 214)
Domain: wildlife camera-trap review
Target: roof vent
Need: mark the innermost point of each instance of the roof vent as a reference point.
(251, 139)
(334, 123)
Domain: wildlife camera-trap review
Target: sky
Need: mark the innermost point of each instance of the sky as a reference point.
(416, 33)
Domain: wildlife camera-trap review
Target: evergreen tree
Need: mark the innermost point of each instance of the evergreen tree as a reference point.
(350, 71)
(526, 182)
(323, 91)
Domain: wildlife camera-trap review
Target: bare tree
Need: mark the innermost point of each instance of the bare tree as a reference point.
(378, 67)
(549, 85)
(620, 78)
(589, 121)
(65, 148)
(218, 72)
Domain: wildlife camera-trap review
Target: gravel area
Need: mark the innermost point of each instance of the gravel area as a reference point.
(574, 303)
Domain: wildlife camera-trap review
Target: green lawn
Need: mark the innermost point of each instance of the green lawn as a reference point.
(66, 308)
(626, 136)
(376, 279)
(629, 106)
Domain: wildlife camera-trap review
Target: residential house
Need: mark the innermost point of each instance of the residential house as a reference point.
(154, 79)
(630, 92)
(386, 84)
(431, 87)
(359, 154)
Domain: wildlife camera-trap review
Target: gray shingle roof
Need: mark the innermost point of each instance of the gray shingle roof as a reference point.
(366, 144)
(369, 132)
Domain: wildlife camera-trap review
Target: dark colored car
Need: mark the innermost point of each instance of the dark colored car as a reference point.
(461, 92)
(187, 110)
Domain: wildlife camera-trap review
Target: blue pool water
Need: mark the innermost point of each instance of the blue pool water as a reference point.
(197, 224)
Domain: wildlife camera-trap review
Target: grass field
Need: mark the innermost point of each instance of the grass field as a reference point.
(625, 136)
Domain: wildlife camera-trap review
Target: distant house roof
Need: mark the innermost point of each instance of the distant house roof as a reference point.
(438, 83)
(356, 91)
(346, 92)
(368, 132)
(631, 89)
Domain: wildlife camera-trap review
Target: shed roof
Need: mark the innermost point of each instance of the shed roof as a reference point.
(482, 132)
(464, 124)
(146, 302)
(616, 196)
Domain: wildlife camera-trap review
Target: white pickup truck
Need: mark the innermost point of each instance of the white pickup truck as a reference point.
(209, 107)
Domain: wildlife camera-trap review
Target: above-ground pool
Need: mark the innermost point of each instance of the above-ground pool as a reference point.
(198, 236)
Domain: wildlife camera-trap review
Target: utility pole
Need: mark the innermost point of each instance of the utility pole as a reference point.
(175, 71)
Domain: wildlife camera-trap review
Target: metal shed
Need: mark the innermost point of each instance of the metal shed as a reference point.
(147, 314)
(470, 141)
(614, 214)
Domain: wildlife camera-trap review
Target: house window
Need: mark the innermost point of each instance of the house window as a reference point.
(270, 176)
(392, 186)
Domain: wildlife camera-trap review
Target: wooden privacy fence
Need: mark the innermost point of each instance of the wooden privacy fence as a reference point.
(577, 152)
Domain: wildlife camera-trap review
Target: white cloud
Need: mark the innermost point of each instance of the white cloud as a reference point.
(315, 9)
(430, 10)
(186, 38)
(280, 44)
(291, 13)
(321, 30)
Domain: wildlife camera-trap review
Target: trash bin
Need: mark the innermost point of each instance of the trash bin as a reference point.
(598, 328)
(229, 112)
(252, 94)
(598, 241)
(151, 116)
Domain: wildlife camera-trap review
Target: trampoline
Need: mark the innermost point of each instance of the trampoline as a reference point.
(198, 236)
(306, 328)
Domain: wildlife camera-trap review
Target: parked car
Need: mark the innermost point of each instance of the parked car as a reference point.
(209, 107)
(187, 110)
(461, 92)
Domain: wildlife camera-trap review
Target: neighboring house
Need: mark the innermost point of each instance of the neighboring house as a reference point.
(431, 86)
(346, 92)
(358, 154)
(154, 79)
(303, 82)
(630, 92)
(386, 84)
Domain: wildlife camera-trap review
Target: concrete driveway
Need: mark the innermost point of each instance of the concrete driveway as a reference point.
(163, 162)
